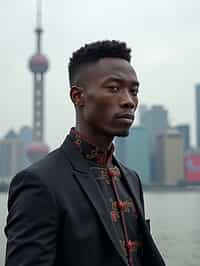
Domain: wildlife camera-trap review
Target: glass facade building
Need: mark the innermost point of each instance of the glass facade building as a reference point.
(134, 152)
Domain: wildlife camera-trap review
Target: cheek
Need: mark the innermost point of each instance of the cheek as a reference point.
(100, 112)
(100, 107)
(93, 110)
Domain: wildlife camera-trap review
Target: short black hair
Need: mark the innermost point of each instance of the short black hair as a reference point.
(92, 52)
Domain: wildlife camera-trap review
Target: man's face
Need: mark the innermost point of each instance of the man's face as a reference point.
(110, 97)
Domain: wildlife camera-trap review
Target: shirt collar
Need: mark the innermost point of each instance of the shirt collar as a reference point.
(90, 151)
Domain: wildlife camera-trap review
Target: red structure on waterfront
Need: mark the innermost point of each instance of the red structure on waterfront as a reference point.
(192, 168)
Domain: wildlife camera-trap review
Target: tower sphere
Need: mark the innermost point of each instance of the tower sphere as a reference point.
(36, 151)
(38, 63)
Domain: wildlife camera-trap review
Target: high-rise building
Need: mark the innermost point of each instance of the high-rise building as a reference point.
(38, 65)
(197, 98)
(170, 157)
(25, 136)
(11, 155)
(155, 121)
(185, 131)
(134, 152)
(142, 110)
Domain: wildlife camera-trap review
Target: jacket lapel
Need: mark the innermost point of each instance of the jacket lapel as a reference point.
(133, 187)
(90, 187)
(154, 254)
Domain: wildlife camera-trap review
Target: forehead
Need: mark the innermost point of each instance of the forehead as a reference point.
(108, 68)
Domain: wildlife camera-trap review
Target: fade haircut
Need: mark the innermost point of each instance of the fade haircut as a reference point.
(92, 52)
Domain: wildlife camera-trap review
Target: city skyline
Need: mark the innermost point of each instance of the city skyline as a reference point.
(165, 55)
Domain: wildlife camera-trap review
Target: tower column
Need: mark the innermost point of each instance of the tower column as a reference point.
(38, 65)
(38, 110)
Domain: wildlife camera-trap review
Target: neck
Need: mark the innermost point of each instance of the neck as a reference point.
(99, 140)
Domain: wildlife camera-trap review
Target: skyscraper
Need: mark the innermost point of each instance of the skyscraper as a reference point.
(11, 155)
(134, 152)
(185, 131)
(170, 157)
(155, 121)
(25, 136)
(197, 98)
(38, 65)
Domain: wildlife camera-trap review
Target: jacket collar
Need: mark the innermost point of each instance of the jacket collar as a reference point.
(89, 150)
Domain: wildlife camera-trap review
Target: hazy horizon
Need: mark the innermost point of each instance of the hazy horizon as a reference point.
(165, 45)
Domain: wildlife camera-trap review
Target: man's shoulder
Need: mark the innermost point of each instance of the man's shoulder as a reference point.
(53, 162)
(49, 171)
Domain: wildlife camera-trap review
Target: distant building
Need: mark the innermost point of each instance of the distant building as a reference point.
(170, 157)
(185, 131)
(155, 121)
(134, 152)
(11, 134)
(25, 136)
(192, 167)
(142, 110)
(13, 147)
(197, 98)
(11, 156)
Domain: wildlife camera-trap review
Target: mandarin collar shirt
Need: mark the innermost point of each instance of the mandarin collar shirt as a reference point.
(117, 197)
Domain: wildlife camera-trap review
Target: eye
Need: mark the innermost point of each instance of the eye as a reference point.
(134, 91)
(113, 89)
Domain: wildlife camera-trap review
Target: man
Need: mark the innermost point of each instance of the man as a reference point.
(79, 206)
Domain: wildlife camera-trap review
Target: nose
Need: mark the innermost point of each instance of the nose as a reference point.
(128, 100)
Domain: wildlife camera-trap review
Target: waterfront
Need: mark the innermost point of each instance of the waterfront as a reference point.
(175, 226)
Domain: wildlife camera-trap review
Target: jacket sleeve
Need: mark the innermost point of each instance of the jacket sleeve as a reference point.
(31, 223)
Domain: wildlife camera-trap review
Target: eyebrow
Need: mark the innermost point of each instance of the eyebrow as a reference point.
(120, 80)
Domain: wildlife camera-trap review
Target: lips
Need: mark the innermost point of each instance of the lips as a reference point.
(128, 116)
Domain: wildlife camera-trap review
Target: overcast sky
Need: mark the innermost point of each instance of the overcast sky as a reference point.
(164, 37)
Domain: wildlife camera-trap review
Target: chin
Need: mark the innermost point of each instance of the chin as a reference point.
(122, 133)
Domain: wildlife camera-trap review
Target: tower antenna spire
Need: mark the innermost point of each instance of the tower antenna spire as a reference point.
(39, 14)
(39, 29)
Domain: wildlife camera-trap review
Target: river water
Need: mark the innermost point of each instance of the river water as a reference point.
(175, 225)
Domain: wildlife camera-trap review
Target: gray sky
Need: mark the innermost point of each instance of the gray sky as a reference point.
(164, 36)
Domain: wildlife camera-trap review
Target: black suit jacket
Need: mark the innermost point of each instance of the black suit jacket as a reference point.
(57, 216)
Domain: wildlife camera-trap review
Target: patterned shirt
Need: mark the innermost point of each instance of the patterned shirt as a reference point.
(120, 204)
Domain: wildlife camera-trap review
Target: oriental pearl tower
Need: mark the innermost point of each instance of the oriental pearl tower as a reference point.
(38, 65)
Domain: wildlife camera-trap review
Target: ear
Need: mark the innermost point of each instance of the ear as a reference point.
(77, 96)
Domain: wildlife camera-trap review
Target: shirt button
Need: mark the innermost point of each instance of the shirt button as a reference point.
(129, 245)
(121, 205)
(110, 172)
